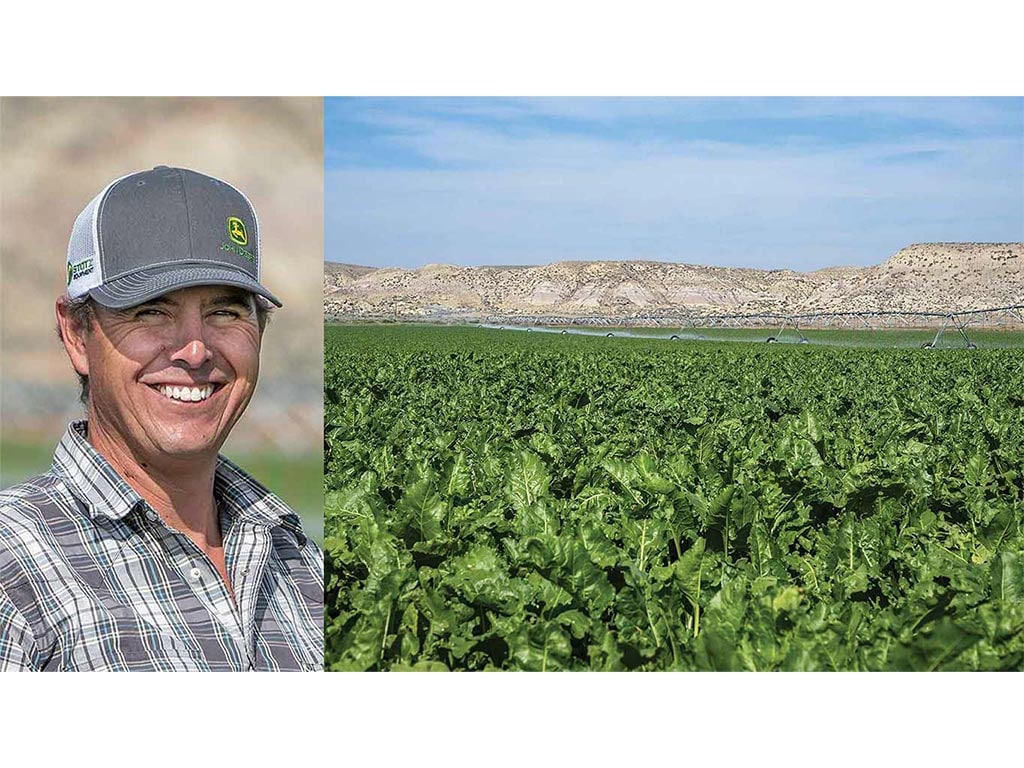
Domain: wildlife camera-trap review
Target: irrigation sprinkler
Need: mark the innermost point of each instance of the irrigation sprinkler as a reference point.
(696, 331)
(796, 327)
(962, 328)
(942, 329)
(695, 325)
(788, 321)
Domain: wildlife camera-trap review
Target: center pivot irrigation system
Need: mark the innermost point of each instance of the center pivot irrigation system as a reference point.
(694, 326)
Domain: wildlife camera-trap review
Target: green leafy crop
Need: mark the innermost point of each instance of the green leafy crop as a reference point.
(514, 501)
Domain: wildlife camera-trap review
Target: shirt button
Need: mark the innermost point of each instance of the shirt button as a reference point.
(194, 574)
(151, 515)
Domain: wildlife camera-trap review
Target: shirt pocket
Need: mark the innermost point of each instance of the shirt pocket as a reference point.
(119, 638)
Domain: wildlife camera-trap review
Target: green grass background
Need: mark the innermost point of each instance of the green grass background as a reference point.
(297, 479)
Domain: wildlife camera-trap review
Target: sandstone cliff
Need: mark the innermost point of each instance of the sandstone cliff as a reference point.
(921, 277)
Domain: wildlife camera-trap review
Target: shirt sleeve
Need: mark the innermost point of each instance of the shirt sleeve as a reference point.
(17, 644)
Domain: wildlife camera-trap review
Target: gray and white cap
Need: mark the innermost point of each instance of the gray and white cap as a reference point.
(157, 231)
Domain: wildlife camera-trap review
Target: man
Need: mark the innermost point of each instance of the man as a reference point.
(142, 548)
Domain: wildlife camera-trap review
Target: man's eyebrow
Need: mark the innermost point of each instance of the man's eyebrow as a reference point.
(235, 298)
(158, 301)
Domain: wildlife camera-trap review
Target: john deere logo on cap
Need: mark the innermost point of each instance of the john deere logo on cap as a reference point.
(236, 231)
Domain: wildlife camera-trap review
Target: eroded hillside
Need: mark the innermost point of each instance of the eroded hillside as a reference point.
(921, 277)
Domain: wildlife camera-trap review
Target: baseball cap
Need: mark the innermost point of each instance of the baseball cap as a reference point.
(156, 231)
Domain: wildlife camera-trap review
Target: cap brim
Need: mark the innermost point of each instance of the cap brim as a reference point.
(138, 287)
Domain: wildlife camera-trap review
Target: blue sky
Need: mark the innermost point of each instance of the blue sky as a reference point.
(797, 183)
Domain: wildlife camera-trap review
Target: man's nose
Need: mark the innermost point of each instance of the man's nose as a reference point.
(191, 345)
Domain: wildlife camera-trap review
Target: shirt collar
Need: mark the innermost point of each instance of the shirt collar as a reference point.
(104, 492)
(90, 477)
(240, 494)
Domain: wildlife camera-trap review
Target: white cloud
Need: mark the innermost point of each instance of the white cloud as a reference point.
(527, 195)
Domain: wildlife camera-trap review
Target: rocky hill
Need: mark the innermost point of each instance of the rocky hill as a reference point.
(921, 277)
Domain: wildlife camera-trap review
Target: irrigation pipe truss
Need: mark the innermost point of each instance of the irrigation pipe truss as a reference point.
(1011, 315)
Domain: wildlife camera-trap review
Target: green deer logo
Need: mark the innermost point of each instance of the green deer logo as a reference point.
(236, 231)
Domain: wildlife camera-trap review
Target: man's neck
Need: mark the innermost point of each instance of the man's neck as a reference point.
(179, 490)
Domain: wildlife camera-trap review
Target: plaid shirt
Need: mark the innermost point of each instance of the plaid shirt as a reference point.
(91, 577)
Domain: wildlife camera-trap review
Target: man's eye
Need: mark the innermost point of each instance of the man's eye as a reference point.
(148, 313)
(231, 313)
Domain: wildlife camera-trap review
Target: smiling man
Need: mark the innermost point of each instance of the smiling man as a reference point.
(142, 548)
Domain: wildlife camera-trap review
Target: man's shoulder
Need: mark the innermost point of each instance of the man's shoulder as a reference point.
(33, 496)
(292, 550)
(28, 511)
(249, 497)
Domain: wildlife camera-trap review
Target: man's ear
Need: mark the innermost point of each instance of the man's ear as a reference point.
(73, 335)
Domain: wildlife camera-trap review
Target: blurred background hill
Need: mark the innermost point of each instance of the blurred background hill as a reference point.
(57, 153)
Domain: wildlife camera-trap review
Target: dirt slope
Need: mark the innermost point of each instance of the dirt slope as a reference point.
(921, 277)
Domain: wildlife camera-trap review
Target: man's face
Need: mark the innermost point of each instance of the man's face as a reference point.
(170, 377)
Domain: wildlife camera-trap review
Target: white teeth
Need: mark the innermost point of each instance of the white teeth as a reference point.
(187, 394)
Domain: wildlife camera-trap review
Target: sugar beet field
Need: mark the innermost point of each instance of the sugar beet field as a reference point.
(503, 500)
